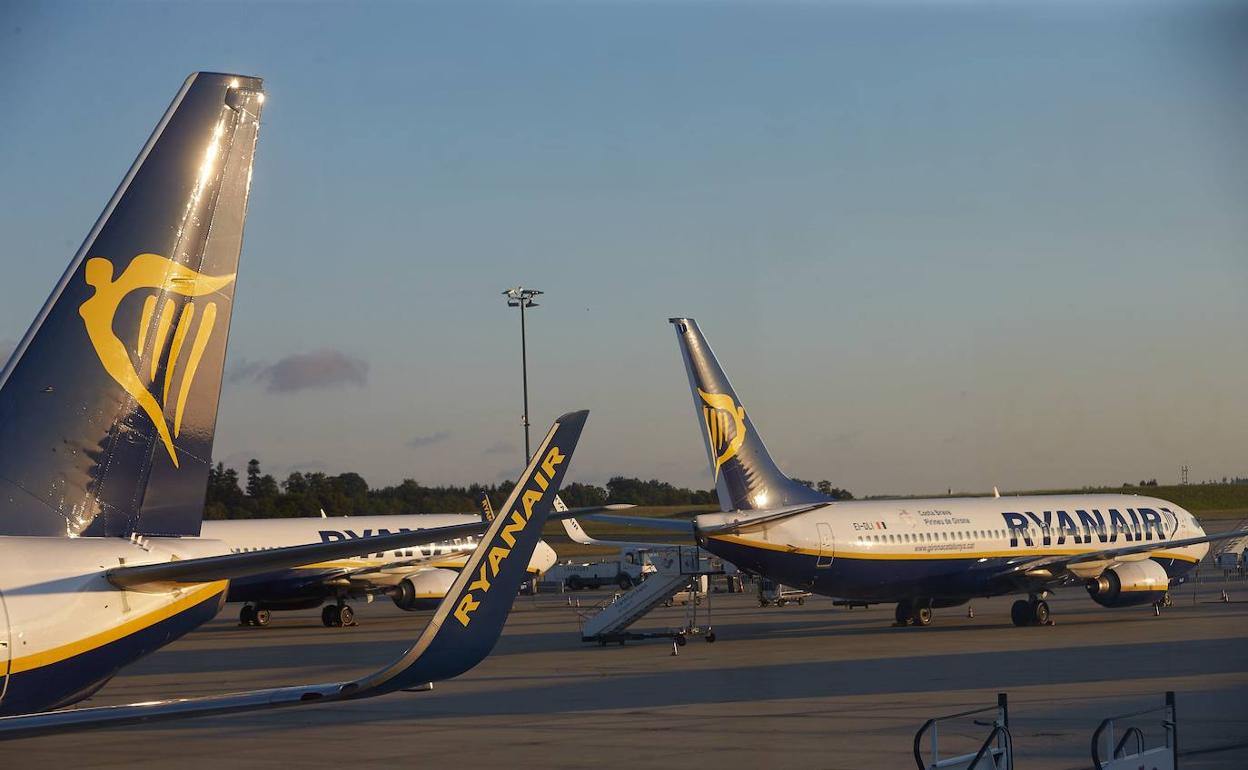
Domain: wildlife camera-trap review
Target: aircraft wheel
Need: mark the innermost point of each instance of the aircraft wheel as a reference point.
(247, 615)
(328, 615)
(262, 617)
(903, 613)
(1040, 613)
(922, 616)
(346, 616)
(1020, 613)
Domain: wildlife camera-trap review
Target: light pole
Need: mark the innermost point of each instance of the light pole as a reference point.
(523, 298)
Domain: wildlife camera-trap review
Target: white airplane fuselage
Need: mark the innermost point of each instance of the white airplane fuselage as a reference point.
(310, 584)
(950, 548)
(65, 630)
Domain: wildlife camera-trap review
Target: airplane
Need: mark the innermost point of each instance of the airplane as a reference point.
(108, 411)
(415, 578)
(922, 553)
(462, 632)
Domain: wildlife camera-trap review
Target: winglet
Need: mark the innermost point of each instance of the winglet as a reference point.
(469, 621)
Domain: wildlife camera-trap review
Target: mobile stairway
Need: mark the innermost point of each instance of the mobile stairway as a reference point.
(996, 752)
(677, 568)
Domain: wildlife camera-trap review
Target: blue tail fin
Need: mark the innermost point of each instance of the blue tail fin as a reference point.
(746, 478)
(108, 406)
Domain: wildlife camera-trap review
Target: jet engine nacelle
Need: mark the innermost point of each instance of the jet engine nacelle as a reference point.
(1138, 582)
(423, 590)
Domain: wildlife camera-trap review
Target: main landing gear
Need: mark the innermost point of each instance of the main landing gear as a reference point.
(1031, 612)
(1164, 602)
(913, 613)
(250, 615)
(338, 615)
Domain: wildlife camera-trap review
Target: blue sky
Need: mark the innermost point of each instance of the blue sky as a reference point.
(935, 245)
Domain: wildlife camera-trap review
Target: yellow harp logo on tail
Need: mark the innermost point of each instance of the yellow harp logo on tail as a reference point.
(164, 277)
(725, 426)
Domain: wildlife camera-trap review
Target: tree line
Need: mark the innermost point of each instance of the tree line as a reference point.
(261, 495)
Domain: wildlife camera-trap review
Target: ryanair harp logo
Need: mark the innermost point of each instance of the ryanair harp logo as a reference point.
(163, 277)
(725, 426)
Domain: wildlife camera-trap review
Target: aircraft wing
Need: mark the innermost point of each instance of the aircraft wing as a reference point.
(682, 525)
(236, 565)
(463, 630)
(1056, 566)
(577, 534)
(676, 525)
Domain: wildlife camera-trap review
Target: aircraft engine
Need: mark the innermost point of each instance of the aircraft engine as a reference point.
(1137, 582)
(423, 590)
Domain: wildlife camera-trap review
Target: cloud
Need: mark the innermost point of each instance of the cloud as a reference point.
(244, 370)
(500, 448)
(433, 438)
(303, 371)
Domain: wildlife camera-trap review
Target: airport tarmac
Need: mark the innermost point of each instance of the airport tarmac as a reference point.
(814, 686)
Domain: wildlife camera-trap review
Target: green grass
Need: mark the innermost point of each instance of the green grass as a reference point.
(1226, 514)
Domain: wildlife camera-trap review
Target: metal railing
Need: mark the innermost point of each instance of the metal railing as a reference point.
(1161, 757)
(995, 753)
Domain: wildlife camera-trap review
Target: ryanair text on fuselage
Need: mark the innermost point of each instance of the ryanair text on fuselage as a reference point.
(1057, 527)
(444, 548)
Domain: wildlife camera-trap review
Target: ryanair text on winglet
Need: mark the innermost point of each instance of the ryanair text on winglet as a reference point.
(498, 553)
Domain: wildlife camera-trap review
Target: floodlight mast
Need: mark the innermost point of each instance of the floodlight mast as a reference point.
(520, 297)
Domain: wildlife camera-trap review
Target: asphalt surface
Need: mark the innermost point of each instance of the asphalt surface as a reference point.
(812, 686)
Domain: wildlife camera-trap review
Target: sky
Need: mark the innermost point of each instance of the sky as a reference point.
(935, 245)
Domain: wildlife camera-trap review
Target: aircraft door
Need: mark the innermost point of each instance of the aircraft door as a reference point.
(6, 649)
(826, 545)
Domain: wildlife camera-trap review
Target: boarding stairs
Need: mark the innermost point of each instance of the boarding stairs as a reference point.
(1129, 749)
(676, 568)
(996, 752)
